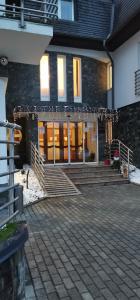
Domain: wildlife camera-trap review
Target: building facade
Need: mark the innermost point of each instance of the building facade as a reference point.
(64, 93)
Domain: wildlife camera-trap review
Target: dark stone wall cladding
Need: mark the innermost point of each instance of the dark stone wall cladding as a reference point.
(24, 83)
(92, 19)
(129, 129)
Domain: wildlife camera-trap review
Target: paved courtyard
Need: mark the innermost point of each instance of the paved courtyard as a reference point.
(85, 247)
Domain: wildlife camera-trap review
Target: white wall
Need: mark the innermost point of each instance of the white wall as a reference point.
(126, 61)
(24, 45)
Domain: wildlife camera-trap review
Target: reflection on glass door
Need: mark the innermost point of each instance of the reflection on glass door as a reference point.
(56, 143)
(60, 142)
(49, 141)
(76, 142)
(91, 142)
(65, 142)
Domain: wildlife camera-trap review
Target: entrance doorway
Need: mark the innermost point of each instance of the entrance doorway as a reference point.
(68, 142)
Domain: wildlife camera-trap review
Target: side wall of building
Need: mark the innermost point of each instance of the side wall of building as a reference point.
(126, 62)
(128, 129)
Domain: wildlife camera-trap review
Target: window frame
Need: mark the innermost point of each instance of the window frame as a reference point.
(60, 11)
(78, 99)
(62, 98)
(47, 97)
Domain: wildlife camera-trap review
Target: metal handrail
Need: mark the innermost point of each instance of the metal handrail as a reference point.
(124, 152)
(37, 164)
(31, 10)
(10, 186)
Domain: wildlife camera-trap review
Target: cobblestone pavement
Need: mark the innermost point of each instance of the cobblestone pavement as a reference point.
(85, 247)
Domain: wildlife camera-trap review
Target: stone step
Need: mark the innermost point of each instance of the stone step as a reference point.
(73, 176)
(87, 170)
(103, 181)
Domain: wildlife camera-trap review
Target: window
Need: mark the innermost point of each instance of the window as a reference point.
(109, 77)
(108, 131)
(61, 77)
(77, 80)
(66, 10)
(44, 78)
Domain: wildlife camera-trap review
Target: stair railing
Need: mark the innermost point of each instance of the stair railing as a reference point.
(125, 153)
(37, 163)
(12, 206)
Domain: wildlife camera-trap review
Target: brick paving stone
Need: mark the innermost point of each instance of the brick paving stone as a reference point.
(86, 279)
(68, 266)
(41, 294)
(61, 291)
(63, 273)
(74, 294)
(85, 245)
(45, 276)
(127, 291)
(74, 275)
(107, 294)
(56, 279)
(87, 296)
(121, 296)
(37, 283)
(53, 296)
(49, 287)
(68, 283)
(81, 286)
(137, 291)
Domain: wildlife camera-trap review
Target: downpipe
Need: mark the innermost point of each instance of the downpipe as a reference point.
(107, 50)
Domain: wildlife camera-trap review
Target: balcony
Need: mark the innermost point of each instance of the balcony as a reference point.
(137, 83)
(26, 28)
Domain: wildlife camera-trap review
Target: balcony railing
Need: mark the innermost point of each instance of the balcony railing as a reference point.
(137, 83)
(38, 11)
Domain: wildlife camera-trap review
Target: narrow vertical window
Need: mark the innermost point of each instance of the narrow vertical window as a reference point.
(44, 78)
(61, 78)
(109, 76)
(77, 80)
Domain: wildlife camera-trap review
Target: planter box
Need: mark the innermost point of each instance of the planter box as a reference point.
(12, 267)
(107, 162)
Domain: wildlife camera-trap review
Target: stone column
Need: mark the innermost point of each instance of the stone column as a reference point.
(3, 147)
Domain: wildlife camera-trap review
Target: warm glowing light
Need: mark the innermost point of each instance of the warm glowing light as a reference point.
(109, 76)
(44, 77)
(77, 77)
(65, 138)
(61, 76)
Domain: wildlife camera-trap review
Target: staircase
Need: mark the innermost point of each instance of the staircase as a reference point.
(94, 175)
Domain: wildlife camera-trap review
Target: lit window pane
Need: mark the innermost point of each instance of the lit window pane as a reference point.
(44, 77)
(61, 76)
(109, 76)
(77, 77)
(66, 9)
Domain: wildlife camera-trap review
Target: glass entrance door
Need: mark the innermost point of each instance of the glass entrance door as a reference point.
(76, 141)
(60, 142)
(68, 142)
